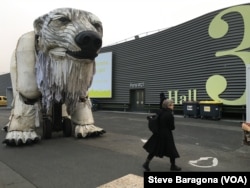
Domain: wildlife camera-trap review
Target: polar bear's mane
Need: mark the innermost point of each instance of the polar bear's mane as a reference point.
(64, 79)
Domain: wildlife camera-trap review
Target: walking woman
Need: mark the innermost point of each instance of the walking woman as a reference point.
(162, 144)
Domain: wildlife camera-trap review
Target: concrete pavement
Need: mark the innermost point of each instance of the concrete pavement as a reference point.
(116, 157)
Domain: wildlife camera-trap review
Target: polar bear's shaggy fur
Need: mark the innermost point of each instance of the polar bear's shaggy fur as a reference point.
(54, 63)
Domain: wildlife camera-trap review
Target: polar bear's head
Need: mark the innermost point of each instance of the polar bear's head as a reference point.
(71, 32)
(66, 43)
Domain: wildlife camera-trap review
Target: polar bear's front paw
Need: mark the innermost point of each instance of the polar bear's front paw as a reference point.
(17, 138)
(84, 131)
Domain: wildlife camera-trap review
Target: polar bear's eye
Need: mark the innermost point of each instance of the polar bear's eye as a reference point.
(98, 26)
(59, 20)
(64, 19)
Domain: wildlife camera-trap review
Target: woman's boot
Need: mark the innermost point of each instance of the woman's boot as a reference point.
(146, 165)
(173, 166)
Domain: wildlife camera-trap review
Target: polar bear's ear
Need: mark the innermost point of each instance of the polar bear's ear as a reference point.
(38, 24)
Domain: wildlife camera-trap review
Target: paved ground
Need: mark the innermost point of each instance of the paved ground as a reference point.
(116, 157)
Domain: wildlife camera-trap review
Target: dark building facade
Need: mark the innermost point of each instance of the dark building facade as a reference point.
(5, 82)
(6, 88)
(202, 59)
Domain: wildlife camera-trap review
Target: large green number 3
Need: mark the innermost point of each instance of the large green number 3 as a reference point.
(218, 28)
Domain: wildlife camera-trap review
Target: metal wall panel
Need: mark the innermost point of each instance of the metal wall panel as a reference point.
(182, 58)
(5, 82)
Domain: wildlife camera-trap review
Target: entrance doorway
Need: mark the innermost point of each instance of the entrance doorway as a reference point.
(137, 99)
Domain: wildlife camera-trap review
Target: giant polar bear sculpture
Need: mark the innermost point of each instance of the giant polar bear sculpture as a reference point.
(54, 63)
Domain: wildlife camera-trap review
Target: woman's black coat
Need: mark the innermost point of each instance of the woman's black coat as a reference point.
(162, 143)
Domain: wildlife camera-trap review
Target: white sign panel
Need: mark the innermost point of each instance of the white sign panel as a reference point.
(102, 83)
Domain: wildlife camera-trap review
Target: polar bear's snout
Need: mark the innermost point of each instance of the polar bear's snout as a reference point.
(89, 42)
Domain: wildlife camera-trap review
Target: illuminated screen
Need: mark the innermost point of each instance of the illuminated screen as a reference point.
(102, 83)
